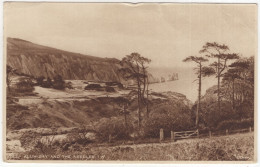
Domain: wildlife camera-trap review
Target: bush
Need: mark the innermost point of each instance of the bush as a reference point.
(169, 119)
(245, 110)
(58, 82)
(235, 124)
(118, 84)
(110, 89)
(69, 85)
(115, 127)
(93, 87)
(36, 143)
(40, 80)
(210, 117)
(77, 136)
(47, 84)
(111, 83)
(25, 85)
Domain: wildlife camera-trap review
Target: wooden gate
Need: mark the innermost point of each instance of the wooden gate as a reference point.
(185, 135)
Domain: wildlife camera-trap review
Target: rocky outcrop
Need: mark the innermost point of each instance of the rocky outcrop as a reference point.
(173, 77)
(176, 98)
(210, 95)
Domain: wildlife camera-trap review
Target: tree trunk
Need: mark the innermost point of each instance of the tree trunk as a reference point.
(218, 73)
(139, 110)
(144, 84)
(199, 96)
(138, 95)
(139, 104)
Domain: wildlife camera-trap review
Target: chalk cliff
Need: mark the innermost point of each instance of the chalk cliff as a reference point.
(36, 60)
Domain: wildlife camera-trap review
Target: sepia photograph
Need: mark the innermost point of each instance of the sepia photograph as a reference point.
(125, 82)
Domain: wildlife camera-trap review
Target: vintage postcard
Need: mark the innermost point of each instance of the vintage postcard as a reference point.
(164, 82)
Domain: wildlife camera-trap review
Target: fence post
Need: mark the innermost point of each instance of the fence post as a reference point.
(172, 136)
(161, 135)
(209, 134)
(226, 131)
(250, 129)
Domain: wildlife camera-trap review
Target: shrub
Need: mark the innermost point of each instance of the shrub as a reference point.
(47, 84)
(40, 80)
(115, 127)
(110, 83)
(245, 109)
(38, 143)
(235, 124)
(210, 116)
(77, 137)
(25, 85)
(168, 118)
(110, 89)
(118, 84)
(58, 82)
(30, 139)
(93, 87)
(69, 85)
(35, 142)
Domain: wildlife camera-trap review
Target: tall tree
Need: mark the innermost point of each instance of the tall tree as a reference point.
(147, 98)
(219, 52)
(230, 77)
(240, 75)
(124, 102)
(134, 67)
(198, 61)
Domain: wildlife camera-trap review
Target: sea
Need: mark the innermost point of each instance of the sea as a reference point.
(187, 83)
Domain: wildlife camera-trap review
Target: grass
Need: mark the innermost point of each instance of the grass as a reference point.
(235, 147)
(239, 147)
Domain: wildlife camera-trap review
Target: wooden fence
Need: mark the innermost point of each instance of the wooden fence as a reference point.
(195, 134)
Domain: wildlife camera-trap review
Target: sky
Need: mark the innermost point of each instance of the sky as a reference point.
(165, 33)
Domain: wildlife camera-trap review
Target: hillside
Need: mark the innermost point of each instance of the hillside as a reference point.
(70, 108)
(36, 60)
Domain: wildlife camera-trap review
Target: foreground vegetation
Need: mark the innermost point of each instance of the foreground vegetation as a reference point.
(238, 147)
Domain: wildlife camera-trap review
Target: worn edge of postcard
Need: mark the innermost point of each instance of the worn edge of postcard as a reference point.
(132, 162)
